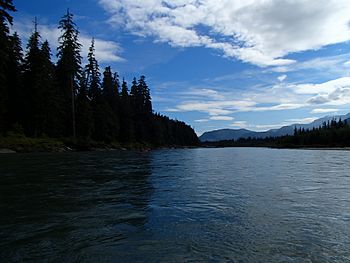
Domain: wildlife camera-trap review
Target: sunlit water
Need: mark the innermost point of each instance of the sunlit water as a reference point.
(197, 205)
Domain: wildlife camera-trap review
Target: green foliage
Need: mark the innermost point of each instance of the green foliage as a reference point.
(25, 144)
(71, 102)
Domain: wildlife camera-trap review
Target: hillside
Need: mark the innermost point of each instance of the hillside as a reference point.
(234, 134)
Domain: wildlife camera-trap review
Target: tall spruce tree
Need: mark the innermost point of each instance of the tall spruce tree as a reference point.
(105, 121)
(41, 93)
(146, 96)
(110, 88)
(6, 6)
(136, 98)
(84, 118)
(49, 114)
(93, 75)
(32, 67)
(126, 119)
(16, 96)
(69, 69)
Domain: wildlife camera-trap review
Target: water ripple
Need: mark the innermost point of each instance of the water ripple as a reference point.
(198, 205)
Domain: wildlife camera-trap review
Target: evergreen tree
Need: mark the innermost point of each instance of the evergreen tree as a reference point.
(110, 89)
(49, 113)
(84, 112)
(62, 101)
(146, 97)
(15, 92)
(110, 86)
(6, 6)
(136, 97)
(126, 123)
(32, 67)
(93, 75)
(42, 99)
(105, 121)
(68, 69)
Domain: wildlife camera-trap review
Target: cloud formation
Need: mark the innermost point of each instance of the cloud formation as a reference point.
(261, 32)
(322, 111)
(106, 51)
(219, 105)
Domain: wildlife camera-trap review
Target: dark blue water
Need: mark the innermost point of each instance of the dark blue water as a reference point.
(198, 205)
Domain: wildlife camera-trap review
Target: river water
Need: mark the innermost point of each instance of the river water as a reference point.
(186, 205)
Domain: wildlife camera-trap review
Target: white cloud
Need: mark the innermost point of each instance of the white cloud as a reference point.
(261, 32)
(317, 111)
(106, 51)
(282, 78)
(323, 88)
(212, 107)
(302, 121)
(204, 92)
(221, 118)
(261, 127)
(201, 120)
(240, 124)
(264, 127)
(335, 64)
(284, 96)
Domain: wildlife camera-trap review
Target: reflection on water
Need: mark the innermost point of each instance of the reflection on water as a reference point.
(199, 205)
(64, 207)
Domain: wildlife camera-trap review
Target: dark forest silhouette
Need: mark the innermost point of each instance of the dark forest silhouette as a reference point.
(69, 100)
(331, 134)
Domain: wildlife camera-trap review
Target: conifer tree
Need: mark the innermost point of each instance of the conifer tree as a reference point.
(105, 120)
(42, 100)
(84, 112)
(126, 124)
(146, 97)
(93, 75)
(15, 92)
(32, 67)
(6, 6)
(68, 69)
(49, 113)
(108, 84)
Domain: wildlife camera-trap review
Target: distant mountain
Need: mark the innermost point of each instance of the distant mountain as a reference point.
(235, 134)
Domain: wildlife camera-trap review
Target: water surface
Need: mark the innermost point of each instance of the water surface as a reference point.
(197, 205)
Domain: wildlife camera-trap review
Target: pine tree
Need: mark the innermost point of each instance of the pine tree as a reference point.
(32, 67)
(105, 121)
(6, 6)
(84, 112)
(50, 114)
(146, 97)
(110, 88)
(93, 75)
(16, 96)
(126, 119)
(41, 92)
(135, 97)
(68, 69)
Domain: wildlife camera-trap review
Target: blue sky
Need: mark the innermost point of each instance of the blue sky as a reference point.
(255, 64)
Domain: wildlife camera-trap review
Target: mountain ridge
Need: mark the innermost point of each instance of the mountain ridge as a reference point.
(235, 134)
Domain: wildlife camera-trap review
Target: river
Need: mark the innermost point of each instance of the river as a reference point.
(180, 205)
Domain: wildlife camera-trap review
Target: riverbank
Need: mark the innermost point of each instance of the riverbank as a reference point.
(297, 147)
(22, 144)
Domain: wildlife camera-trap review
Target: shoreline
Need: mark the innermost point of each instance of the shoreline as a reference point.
(13, 145)
(335, 148)
(10, 145)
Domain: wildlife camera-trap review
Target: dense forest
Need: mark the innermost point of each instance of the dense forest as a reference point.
(71, 101)
(330, 134)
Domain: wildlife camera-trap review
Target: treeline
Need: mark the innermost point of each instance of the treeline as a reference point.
(331, 134)
(69, 100)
